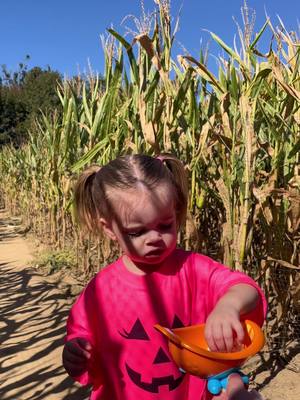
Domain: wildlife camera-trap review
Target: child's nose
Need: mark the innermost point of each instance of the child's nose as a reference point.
(153, 236)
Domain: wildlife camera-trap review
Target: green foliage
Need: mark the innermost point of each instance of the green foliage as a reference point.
(54, 261)
(23, 94)
(39, 90)
(13, 114)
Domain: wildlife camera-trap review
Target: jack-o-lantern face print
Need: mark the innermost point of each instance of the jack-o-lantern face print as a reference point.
(159, 362)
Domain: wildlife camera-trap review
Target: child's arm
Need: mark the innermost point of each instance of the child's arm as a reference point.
(223, 324)
(76, 355)
(79, 353)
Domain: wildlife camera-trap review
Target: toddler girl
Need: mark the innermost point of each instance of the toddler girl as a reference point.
(141, 202)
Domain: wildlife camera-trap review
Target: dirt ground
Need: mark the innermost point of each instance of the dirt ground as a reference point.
(34, 308)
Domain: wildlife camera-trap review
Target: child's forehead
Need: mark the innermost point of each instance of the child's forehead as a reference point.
(138, 204)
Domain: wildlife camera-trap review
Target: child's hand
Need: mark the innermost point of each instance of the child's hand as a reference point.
(236, 391)
(223, 329)
(76, 355)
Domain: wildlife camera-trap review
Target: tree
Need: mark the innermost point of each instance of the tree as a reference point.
(39, 90)
(13, 110)
(23, 94)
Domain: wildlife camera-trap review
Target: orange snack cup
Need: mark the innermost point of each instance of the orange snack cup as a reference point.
(190, 351)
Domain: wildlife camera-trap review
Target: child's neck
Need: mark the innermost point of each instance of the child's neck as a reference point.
(140, 268)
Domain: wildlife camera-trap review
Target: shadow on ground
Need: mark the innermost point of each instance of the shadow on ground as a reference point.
(32, 326)
(274, 365)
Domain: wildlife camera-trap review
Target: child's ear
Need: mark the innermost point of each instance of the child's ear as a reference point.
(107, 228)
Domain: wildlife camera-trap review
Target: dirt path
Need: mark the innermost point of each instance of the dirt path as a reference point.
(32, 325)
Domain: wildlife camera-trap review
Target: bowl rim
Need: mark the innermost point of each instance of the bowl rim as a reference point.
(247, 352)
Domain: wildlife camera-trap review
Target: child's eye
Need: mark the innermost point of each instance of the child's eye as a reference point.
(163, 227)
(166, 227)
(135, 234)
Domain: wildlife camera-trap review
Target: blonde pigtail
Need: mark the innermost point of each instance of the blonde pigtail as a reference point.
(86, 211)
(180, 180)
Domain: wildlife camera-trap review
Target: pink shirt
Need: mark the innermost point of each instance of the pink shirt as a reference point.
(118, 309)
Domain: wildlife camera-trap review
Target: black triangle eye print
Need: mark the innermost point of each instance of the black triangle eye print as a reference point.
(137, 332)
(161, 357)
(177, 323)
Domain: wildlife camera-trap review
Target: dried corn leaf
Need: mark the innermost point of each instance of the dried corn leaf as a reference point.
(283, 263)
(278, 74)
(147, 127)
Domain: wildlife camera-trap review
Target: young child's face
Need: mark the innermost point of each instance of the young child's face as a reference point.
(145, 224)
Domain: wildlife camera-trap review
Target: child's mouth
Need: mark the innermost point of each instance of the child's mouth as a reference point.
(155, 253)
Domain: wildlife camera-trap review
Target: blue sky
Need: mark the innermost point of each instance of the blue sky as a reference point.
(64, 34)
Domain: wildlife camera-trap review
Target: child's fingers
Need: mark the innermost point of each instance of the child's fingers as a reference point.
(75, 348)
(74, 369)
(209, 338)
(227, 337)
(235, 388)
(214, 337)
(74, 358)
(85, 344)
(238, 328)
(219, 342)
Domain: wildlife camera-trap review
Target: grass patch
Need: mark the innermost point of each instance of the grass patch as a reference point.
(55, 260)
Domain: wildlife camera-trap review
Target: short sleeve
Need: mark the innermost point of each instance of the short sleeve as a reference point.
(80, 324)
(215, 279)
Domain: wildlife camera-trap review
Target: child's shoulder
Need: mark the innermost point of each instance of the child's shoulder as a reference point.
(197, 263)
(193, 258)
(103, 277)
(108, 271)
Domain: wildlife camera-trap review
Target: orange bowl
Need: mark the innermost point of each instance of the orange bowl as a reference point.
(190, 351)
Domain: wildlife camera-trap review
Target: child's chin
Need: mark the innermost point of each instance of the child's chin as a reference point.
(152, 258)
(155, 258)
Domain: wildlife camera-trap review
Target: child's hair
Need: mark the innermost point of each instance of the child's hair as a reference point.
(93, 188)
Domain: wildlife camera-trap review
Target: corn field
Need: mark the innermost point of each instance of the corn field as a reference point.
(237, 131)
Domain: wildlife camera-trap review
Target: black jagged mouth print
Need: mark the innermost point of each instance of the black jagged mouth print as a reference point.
(154, 386)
